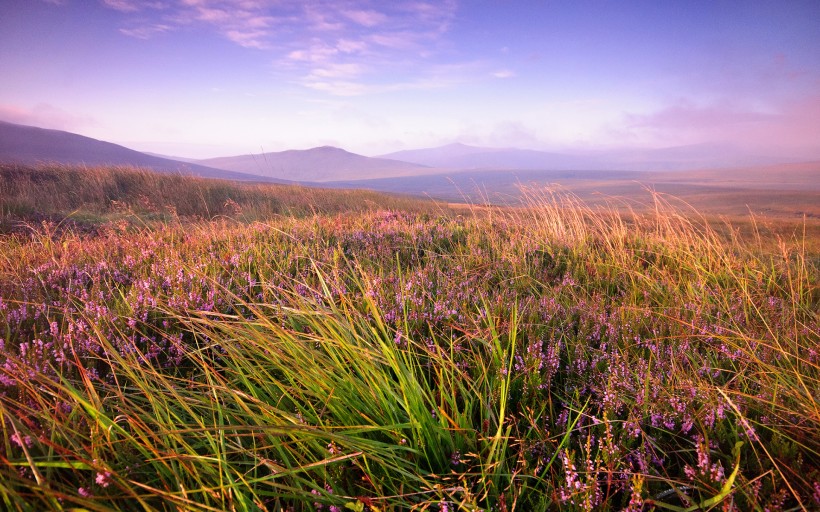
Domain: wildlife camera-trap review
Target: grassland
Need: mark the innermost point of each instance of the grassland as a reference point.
(86, 198)
(787, 191)
(364, 352)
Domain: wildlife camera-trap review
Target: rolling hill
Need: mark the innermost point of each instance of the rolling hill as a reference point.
(464, 157)
(320, 164)
(31, 145)
(676, 158)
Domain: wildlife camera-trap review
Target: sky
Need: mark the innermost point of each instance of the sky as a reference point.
(206, 78)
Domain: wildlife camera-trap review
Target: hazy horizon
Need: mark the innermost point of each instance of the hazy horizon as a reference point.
(209, 78)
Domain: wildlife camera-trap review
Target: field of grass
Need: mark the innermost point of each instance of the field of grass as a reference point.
(363, 352)
(85, 198)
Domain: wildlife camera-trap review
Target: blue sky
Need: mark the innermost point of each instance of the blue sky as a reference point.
(205, 78)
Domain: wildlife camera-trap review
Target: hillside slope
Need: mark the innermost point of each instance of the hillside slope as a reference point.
(320, 164)
(30, 145)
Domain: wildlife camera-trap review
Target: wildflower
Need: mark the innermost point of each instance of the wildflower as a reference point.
(635, 500)
(572, 484)
(85, 493)
(705, 468)
(316, 504)
(633, 428)
(104, 479)
(21, 441)
(455, 458)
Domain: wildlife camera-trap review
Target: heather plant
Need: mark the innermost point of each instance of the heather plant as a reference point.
(550, 356)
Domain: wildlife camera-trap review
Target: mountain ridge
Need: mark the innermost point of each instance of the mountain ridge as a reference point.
(24, 144)
(319, 164)
(458, 156)
(329, 164)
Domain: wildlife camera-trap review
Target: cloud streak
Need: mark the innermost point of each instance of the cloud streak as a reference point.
(145, 31)
(323, 45)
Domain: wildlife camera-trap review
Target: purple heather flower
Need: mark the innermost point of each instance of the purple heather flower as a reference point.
(20, 441)
(455, 458)
(104, 479)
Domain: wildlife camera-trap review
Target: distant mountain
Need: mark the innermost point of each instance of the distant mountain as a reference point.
(30, 145)
(697, 156)
(462, 156)
(320, 164)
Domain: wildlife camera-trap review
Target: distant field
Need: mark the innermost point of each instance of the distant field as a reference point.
(785, 191)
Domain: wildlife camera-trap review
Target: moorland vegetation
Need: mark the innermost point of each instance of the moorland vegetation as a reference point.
(172, 343)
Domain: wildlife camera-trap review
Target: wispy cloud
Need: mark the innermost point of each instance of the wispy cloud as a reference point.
(338, 87)
(504, 73)
(346, 88)
(145, 31)
(130, 6)
(250, 39)
(350, 69)
(350, 46)
(324, 45)
(315, 52)
(367, 18)
(122, 5)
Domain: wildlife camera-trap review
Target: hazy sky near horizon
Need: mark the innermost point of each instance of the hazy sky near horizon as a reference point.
(203, 78)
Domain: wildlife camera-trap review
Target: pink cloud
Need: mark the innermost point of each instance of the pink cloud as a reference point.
(338, 87)
(337, 71)
(350, 46)
(396, 40)
(315, 52)
(145, 31)
(322, 20)
(685, 116)
(129, 6)
(248, 39)
(213, 15)
(504, 73)
(789, 126)
(122, 5)
(367, 18)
